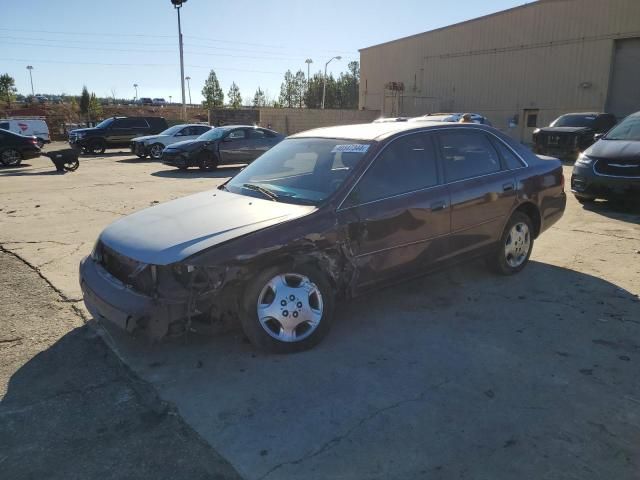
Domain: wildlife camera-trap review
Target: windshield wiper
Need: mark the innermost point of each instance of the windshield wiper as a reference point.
(264, 191)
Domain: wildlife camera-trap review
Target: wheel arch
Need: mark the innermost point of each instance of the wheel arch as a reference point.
(532, 211)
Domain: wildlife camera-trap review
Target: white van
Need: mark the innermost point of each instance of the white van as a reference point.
(27, 126)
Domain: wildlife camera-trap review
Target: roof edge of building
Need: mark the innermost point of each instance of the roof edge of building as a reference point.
(483, 17)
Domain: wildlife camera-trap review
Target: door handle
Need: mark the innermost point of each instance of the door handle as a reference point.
(508, 187)
(438, 206)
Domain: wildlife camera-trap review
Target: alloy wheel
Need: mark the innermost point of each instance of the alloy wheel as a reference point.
(290, 307)
(517, 245)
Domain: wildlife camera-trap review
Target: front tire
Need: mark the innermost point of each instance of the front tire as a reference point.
(96, 147)
(208, 161)
(10, 158)
(515, 247)
(156, 151)
(584, 200)
(287, 310)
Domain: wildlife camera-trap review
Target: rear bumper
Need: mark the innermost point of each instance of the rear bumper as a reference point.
(108, 299)
(586, 184)
(552, 209)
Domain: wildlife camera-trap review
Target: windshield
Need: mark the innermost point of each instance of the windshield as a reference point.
(172, 130)
(213, 134)
(300, 170)
(628, 129)
(574, 121)
(105, 123)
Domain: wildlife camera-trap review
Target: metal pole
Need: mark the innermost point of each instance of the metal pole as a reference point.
(189, 88)
(184, 103)
(29, 67)
(324, 83)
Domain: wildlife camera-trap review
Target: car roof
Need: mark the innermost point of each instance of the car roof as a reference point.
(585, 113)
(374, 131)
(229, 127)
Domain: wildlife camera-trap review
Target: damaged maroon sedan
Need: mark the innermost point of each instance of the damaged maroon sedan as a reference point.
(324, 215)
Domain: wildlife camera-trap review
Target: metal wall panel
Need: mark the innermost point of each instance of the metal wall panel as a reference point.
(553, 55)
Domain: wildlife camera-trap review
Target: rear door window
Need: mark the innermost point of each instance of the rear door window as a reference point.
(467, 154)
(407, 164)
(510, 159)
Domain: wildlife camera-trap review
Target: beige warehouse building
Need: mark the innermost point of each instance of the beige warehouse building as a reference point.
(521, 67)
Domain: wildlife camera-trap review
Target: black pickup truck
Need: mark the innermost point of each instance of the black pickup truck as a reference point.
(115, 132)
(570, 134)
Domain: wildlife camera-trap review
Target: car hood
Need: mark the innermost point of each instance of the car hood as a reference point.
(175, 230)
(566, 129)
(186, 145)
(148, 137)
(624, 150)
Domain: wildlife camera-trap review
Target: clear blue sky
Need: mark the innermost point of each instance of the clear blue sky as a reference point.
(112, 44)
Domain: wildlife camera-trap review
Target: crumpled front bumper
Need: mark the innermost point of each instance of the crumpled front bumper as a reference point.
(139, 148)
(107, 298)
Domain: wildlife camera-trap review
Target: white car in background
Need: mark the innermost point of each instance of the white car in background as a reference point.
(152, 145)
(31, 127)
(158, 101)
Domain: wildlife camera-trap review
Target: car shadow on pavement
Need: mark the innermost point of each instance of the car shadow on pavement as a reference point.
(220, 172)
(460, 371)
(17, 173)
(624, 211)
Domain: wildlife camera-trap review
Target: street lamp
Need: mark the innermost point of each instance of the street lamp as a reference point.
(324, 84)
(135, 85)
(29, 67)
(170, 99)
(308, 61)
(189, 87)
(177, 4)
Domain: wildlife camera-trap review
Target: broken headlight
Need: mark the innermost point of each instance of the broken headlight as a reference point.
(200, 278)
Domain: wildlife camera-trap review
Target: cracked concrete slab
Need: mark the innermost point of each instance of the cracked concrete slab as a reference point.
(459, 374)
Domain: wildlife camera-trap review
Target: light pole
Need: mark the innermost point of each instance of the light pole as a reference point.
(324, 84)
(189, 88)
(169, 99)
(135, 85)
(29, 67)
(177, 4)
(308, 61)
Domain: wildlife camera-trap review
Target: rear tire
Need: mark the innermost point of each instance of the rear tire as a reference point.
(10, 158)
(515, 246)
(287, 310)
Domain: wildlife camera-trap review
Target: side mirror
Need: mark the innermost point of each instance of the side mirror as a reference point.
(598, 136)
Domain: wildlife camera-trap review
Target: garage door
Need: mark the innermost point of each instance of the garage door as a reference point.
(624, 91)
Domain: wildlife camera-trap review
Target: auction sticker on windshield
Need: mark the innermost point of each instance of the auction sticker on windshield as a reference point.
(351, 148)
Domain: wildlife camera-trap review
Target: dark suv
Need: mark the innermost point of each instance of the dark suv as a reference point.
(570, 134)
(115, 132)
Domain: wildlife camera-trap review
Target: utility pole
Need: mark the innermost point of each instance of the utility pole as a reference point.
(177, 4)
(135, 85)
(324, 84)
(30, 68)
